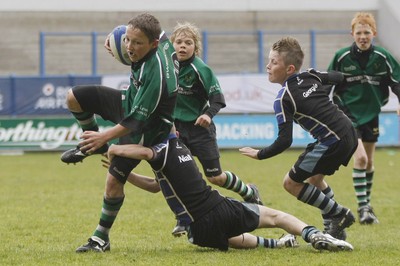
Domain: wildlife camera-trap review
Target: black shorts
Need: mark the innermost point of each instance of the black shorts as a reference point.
(322, 159)
(101, 100)
(228, 219)
(107, 103)
(202, 143)
(369, 132)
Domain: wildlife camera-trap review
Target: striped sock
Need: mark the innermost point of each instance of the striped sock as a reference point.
(307, 232)
(369, 178)
(109, 213)
(360, 186)
(326, 218)
(234, 183)
(311, 195)
(266, 242)
(86, 120)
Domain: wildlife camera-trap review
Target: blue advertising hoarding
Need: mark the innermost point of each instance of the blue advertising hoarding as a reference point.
(233, 131)
(38, 95)
(261, 130)
(5, 97)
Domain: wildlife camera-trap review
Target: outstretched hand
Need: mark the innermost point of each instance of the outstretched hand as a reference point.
(249, 152)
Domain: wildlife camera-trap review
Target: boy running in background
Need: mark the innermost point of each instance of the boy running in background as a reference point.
(199, 99)
(369, 71)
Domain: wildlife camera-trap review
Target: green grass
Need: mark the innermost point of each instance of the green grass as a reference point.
(48, 209)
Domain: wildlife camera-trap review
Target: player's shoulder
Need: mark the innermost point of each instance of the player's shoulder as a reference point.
(200, 64)
(383, 51)
(342, 53)
(343, 50)
(304, 78)
(201, 67)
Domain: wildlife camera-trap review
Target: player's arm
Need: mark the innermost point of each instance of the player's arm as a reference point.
(144, 182)
(214, 95)
(217, 102)
(395, 87)
(283, 142)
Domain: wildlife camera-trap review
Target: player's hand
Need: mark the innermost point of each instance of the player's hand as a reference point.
(105, 162)
(250, 152)
(398, 111)
(203, 121)
(92, 141)
(107, 44)
(108, 157)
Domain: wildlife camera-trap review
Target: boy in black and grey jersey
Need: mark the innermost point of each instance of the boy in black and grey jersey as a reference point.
(304, 100)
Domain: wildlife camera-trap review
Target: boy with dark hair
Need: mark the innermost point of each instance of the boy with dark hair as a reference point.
(143, 114)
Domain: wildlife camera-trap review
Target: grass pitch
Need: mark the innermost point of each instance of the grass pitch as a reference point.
(48, 209)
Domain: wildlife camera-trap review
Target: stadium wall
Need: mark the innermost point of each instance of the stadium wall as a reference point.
(22, 21)
(184, 5)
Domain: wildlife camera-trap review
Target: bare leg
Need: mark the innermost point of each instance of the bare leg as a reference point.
(271, 218)
(244, 241)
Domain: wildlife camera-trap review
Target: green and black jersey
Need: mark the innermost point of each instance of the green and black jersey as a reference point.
(368, 76)
(199, 91)
(151, 97)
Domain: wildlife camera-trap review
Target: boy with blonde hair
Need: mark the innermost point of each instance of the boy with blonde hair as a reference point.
(199, 99)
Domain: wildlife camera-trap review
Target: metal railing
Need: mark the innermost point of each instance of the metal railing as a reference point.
(261, 45)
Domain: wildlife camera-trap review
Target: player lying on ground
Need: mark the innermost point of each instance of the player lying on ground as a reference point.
(210, 219)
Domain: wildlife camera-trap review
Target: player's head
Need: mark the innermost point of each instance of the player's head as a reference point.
(148, 24)
(363, 30)
(365, 19)
(285, 59)
(290, 50)
(188, 36)
(142, 36)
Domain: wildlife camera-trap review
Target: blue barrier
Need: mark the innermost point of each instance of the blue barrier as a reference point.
(233, 131)
(38, 95)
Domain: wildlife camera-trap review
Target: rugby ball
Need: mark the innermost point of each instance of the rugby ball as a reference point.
(117, 45)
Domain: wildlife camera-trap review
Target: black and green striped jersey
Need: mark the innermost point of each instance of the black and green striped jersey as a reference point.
(199, 91)
(151, 97)
(368, 75)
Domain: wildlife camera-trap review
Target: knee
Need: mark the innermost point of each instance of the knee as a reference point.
(218, 180)
(362, 161)
(287, 183)
(72, 103)
(291, 186)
